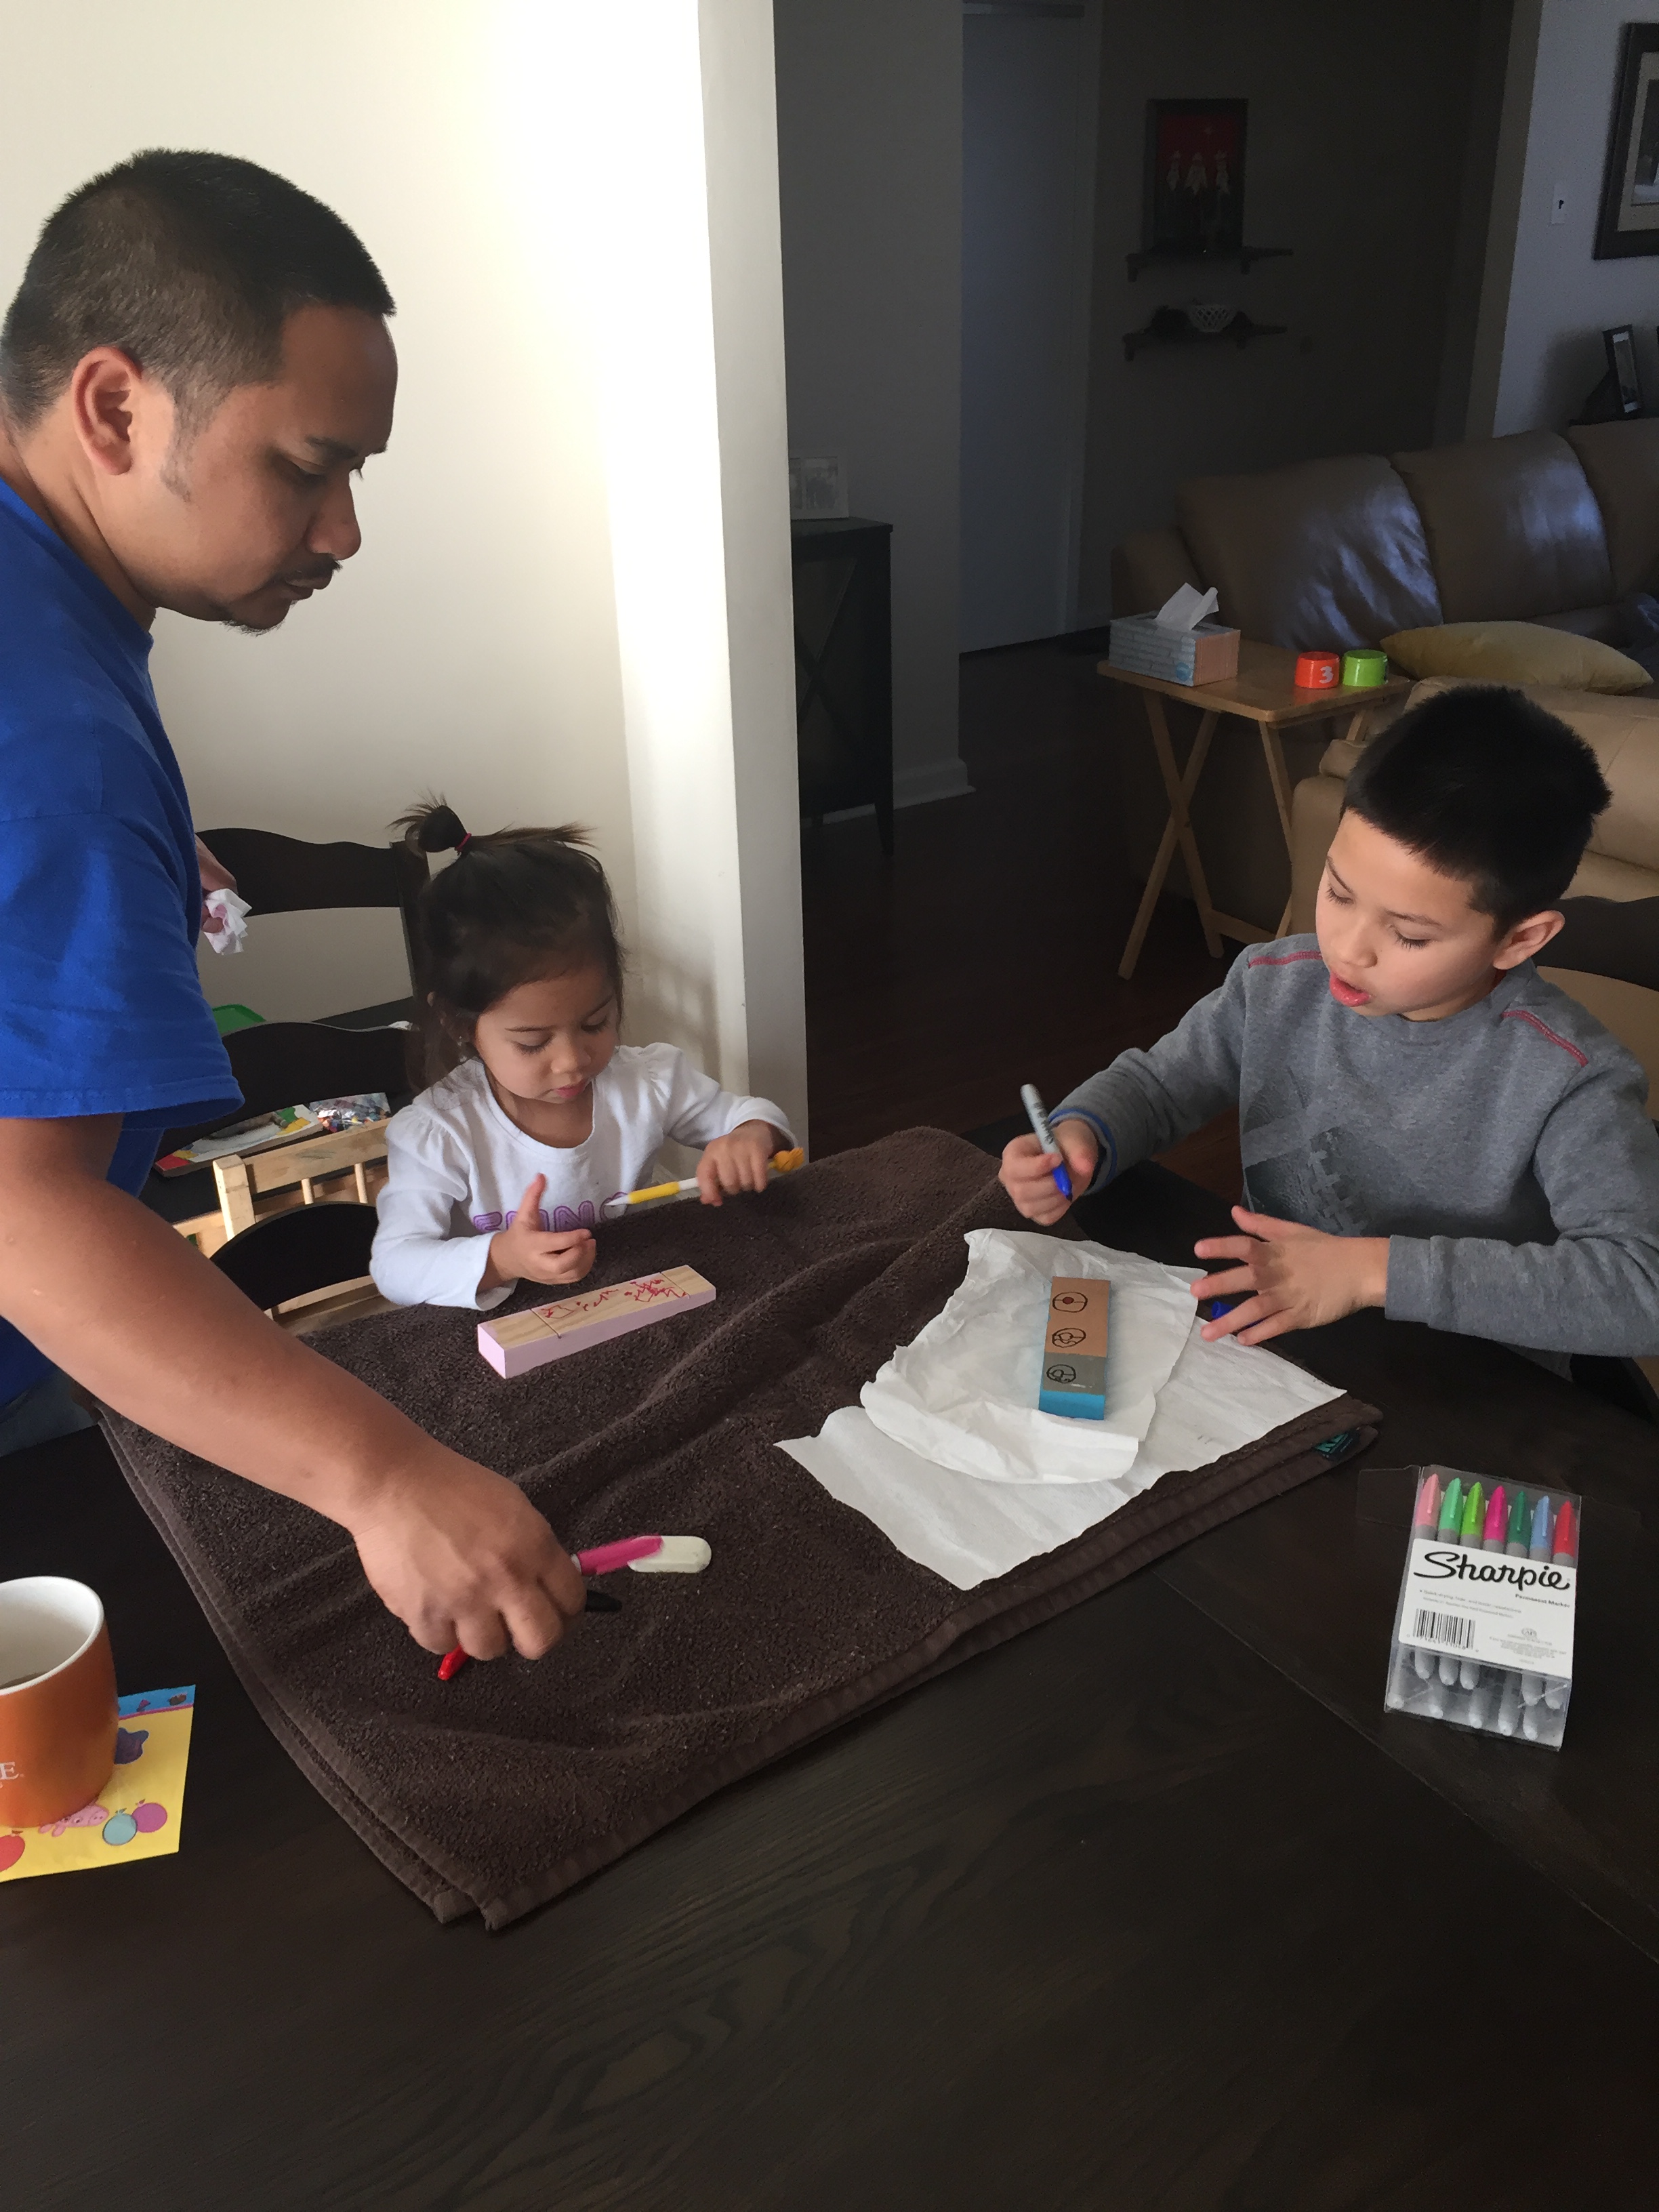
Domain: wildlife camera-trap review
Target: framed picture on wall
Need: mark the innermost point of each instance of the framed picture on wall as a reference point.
(1195, 199)
(1629, 187)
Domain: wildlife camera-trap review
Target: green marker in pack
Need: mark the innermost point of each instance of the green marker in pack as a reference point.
(1469, 1530)
(1515, 1543)
(1451, 1507)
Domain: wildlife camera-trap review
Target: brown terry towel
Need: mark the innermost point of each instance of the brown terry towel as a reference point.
(494, 1791)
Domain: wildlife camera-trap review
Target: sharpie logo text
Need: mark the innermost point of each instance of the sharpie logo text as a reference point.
(1472, 1567)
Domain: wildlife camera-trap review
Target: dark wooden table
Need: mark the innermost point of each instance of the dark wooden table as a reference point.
(1152, 1907)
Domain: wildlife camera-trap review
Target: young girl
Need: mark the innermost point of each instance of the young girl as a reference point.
(499, 1172)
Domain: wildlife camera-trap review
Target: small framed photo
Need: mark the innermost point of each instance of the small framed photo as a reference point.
(1194, 197)
(817, 488)
(1629, 221)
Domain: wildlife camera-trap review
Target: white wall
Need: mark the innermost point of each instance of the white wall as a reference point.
(532, 179)
(1545, 300)
(870, 176)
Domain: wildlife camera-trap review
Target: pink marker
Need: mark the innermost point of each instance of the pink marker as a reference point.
(1492, 1535)
(600, 1561)
(604, 1559)
(1426, 1513)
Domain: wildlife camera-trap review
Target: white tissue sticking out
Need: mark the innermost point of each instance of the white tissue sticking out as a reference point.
(680, 1555)
(226, 926)
(1186, 609)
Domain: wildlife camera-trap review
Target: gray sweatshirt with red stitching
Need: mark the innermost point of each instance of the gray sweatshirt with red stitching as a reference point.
(1505, 1152)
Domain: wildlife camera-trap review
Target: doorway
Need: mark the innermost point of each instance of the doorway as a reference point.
(1029, 100)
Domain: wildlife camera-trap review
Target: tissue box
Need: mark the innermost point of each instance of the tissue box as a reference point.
(1207, 655)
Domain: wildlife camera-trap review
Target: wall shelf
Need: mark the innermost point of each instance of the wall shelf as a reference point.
(1169, 326)
(1245, 256)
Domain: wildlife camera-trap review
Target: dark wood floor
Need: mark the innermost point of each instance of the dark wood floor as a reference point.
(984, 954)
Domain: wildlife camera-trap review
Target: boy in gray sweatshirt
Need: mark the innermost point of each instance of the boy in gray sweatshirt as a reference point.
(1427, 1126)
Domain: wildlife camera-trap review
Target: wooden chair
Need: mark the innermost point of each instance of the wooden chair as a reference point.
(290, 1063)
(307, 1268)
(289, 1176)
(286, 875)
(321, 1263)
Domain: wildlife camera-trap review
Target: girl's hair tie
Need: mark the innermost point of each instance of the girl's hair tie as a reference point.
(432, 826)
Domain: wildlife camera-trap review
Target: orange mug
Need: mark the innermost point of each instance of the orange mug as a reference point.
(57, 1699)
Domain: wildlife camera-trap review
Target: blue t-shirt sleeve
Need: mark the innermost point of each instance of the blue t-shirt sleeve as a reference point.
(102, 1010)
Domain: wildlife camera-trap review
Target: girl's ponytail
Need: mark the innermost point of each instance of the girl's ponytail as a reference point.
(516, 904)
(432, 826)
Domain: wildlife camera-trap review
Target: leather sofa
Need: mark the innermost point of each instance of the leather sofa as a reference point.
(1562, 529)
(1537, 527)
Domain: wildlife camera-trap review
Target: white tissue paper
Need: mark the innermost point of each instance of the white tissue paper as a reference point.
(965, 1391)
(1185, 609)
(227, 923)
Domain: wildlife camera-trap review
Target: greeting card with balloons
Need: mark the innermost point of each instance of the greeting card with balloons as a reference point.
(138, 1811)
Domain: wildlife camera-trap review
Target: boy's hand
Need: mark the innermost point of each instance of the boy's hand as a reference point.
(525, 1252)
(737, 1161)
(1027, 1172)
(1300, 1277)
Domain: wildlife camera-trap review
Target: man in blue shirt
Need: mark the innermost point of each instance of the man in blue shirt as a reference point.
(194, 367)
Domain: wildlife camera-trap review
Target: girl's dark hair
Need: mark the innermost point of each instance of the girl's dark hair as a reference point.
(515, 904)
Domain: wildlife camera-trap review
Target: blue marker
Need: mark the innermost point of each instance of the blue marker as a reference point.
(1540, 1546)
(1044, 1134)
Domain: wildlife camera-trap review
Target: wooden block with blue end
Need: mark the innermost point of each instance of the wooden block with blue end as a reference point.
(1074, 1348)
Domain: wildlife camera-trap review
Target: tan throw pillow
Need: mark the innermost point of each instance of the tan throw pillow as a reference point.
(1515, 652)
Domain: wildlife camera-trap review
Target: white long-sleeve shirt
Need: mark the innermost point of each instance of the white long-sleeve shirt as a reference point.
(457, 1167)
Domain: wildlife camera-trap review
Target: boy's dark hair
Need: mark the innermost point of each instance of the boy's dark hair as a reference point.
(514, 904)
(190, 262)
(1485, 784)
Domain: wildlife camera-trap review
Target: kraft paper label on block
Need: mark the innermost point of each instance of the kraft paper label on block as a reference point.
(1074, 1348)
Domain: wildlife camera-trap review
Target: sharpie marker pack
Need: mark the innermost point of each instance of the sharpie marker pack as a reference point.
(1483, 1633)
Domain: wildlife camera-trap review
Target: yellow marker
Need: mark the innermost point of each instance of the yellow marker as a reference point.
(779, 1163)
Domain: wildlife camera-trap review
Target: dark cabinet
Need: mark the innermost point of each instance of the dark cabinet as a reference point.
(844, 668)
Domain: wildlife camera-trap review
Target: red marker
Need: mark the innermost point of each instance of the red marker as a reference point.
(1564, 1538)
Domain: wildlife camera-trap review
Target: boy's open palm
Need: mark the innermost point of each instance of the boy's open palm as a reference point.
(1027, 1172)
(525, 1252)
(1289, 1276)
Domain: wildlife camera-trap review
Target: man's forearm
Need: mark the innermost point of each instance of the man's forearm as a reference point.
(129, 1308)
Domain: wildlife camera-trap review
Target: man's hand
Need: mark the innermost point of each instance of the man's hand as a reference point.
(737, 1161)
(527, 1253)
(1289, 1277)
(1027, 1172)
(118, 1297)
(214, 878)
(462, 1556)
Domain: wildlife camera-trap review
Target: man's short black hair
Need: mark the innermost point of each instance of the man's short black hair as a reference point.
(1485, 784)
(191, 264)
